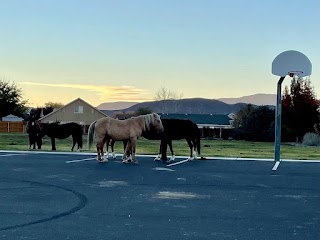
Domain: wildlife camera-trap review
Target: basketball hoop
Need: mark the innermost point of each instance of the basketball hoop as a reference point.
(294, 73)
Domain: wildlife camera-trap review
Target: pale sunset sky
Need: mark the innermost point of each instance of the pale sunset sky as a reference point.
(126, 50)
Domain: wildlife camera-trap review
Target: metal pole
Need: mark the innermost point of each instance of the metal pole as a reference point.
(278, 126)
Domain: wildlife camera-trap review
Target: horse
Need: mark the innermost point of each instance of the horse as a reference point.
(62, 131)
(129, 129)
(174, 129)
(33, 128)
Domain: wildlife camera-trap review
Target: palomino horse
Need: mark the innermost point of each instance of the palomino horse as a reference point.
(33, 128)
(129, 129)
(62, 131)
(174, 129)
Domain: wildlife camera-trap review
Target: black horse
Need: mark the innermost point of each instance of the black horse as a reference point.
(33, 128)
(62, 131)
(174, 129)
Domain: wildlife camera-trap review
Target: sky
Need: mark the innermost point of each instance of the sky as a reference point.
(127, 50)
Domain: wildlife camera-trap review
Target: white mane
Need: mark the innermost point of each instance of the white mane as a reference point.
(149, 120)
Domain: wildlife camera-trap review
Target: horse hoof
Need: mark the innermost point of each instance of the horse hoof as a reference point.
(156, 159)
(124, 161)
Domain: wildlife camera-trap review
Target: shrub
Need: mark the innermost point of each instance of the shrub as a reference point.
(311, 139)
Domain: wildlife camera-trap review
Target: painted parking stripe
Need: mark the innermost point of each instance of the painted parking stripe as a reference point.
(81, 160)
(176, 163)
(12, 154)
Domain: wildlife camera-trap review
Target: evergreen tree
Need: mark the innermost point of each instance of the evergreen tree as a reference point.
(299, 109)
(241, 115)
(11, 101)
(258, 125)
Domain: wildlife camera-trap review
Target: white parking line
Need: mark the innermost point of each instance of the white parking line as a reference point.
(176, 163)
(13, 154)
(81, 160)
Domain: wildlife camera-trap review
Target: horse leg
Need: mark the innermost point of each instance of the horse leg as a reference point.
(133, 143)
(100, 156)
(195, 150)
(53, 143)
(126, 152)
(112, 148)
(159, 154)
(164, 146)
(171, 150)
(73, 143)
(191, 149)
(107, 147)
(104, 157)
(30, 142)
(98, 153)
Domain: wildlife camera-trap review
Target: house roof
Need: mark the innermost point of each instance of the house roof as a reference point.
(201, 119)
(77, 99)
(12, 118)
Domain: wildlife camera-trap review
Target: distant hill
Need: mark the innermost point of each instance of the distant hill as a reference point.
(256, 99)
(115, 105)
(191, 105)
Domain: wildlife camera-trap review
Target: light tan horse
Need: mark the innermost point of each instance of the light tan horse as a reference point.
(129, 129)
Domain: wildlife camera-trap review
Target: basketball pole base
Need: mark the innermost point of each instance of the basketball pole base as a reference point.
(276, 165)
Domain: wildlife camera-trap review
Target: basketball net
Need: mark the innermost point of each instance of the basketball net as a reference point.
(295, 74)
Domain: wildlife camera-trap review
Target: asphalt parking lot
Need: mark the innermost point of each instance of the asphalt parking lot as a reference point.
(72, 196)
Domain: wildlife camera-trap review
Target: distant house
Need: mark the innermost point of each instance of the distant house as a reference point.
(210, 125)
(12, 118)
(77, 111)
(12, 123)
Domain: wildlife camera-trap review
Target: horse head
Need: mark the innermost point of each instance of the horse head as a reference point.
(33, 129)
(156, 122)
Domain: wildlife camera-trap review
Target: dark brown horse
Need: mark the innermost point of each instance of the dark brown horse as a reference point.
(33, 128)
(129, 129)
(177, 129)
(62, 131)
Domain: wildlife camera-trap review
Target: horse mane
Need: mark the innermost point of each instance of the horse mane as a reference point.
(147, 120)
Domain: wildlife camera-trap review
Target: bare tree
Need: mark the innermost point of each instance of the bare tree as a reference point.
(169, 99)
(167, 94)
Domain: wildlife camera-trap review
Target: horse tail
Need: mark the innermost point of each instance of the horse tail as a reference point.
(80, 142)
(91, 133)
(198, 142)
(197, 138)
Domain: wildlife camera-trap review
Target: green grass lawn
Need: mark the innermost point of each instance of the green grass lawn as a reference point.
(209, 148)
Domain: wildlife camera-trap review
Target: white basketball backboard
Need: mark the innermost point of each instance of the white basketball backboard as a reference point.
(291, 62)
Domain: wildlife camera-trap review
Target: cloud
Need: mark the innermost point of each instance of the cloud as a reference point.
(104, 92)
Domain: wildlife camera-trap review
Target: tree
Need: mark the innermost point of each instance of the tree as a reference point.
(166, 94)
(143, 111)
(54, 105)
(299, 109)
(11, 101)
(258, 125)
(241, 115)
(169, 100)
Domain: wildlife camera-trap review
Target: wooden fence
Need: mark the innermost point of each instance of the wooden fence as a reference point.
(12, 127)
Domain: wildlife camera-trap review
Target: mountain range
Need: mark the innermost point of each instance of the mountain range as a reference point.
(192, 105)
